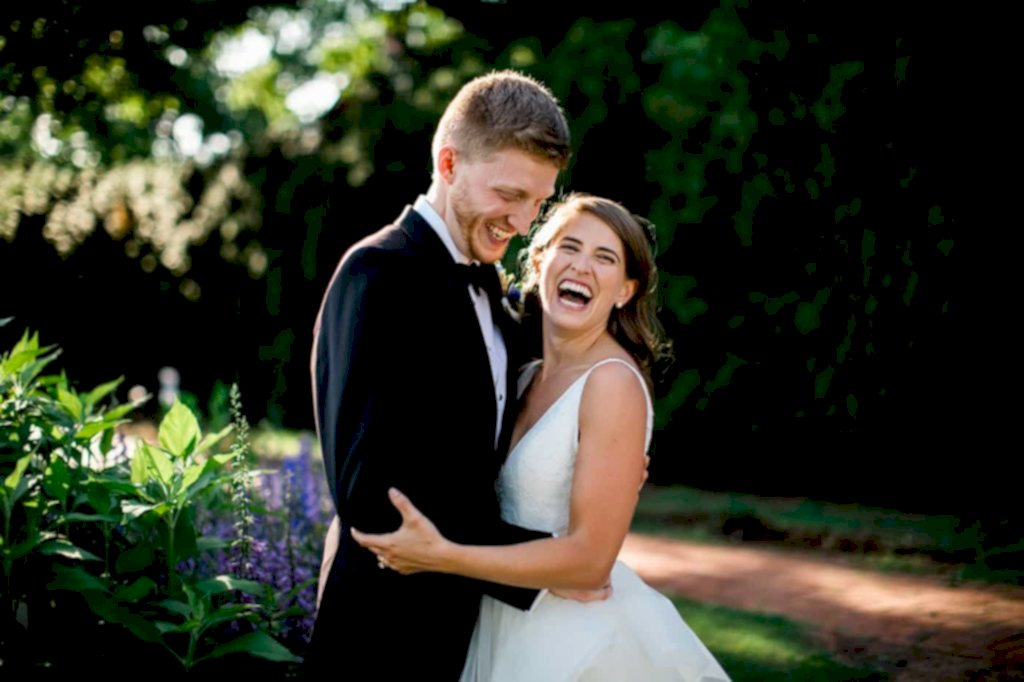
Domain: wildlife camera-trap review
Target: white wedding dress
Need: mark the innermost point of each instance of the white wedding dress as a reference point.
(635, 635)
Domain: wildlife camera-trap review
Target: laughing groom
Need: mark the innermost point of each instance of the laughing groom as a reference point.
(413, 371)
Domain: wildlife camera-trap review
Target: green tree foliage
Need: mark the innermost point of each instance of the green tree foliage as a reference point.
(785, 152)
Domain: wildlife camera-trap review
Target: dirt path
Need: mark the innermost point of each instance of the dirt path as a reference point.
(917, 628)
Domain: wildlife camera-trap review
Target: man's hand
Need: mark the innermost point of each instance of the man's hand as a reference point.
(584, 596)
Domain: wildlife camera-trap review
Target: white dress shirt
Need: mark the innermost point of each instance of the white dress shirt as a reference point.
(496, 350)
(497, 353)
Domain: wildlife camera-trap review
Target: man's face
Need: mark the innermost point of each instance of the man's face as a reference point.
(494, 198)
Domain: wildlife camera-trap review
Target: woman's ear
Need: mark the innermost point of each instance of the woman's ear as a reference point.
(627, 292)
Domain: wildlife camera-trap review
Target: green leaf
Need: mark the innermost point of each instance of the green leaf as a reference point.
(198, 603)
(115, 485)
(91, 429)
(111, 611)
(133, 510)
(66, 549)
(142, 628)
(75, 580)
(134, 559)
(23, 358)
(224, 583)
(72, 403)
(185, 536)
(149, 464)
(92, 518)
(294, 592)
(107, 441)
(164, 627)
(179, 430)
(121, 410)
(136, 591)
(24, 548)
(192, 475)
(98, 393)
(229, 613)
(162, 463)
(291, 612)
(57, 479)
(15, 485)
(209, 543)
(141, 466)
(178, 607)
(99, 497)
(211, 474)
(256, 643)
(14, 478)
(211, 438)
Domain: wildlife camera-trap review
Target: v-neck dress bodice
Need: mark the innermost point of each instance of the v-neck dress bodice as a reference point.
(636, 634)
(535, 484)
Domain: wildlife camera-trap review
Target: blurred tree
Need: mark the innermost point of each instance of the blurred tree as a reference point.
(222, 130)
(809, 239)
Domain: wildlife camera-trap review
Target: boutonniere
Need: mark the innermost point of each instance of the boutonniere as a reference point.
(511, 293)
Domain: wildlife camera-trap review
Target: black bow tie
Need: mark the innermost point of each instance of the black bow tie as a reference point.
(483, 277)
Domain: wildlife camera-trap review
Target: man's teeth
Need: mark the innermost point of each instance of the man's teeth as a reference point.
(499, 234)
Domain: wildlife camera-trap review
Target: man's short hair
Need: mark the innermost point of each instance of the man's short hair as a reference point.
(505, 110)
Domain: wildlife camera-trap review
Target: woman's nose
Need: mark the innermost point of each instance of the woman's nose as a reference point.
(581, 262)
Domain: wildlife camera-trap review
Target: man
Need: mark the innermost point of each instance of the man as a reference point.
(414, 379)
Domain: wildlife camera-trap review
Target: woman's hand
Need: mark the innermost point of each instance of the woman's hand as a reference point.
(415, 547)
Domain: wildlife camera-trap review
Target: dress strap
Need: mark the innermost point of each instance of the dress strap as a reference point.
(643, 385)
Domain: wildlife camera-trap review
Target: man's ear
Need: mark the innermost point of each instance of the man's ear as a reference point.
(446, 158)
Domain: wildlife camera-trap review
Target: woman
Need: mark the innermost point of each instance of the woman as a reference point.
(574, 468)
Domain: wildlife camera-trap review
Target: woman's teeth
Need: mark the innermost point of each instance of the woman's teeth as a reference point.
(574, 294)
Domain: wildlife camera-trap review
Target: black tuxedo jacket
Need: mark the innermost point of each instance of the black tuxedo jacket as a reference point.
(404, 397)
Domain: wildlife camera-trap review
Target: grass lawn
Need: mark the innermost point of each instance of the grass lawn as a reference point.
(869, 537)
(766, 648)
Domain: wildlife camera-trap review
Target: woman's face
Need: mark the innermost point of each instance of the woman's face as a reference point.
(583, 274)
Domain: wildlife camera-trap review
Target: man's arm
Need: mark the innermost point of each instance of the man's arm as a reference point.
(381, 419)
(607, 474)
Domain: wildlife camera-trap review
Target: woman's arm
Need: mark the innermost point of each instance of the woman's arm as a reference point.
(607, 477)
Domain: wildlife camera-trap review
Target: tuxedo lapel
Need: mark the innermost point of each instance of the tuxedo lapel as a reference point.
(510, 331)
(455, 308)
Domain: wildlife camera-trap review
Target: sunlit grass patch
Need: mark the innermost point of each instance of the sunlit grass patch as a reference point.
(869, 537)
(753, 646)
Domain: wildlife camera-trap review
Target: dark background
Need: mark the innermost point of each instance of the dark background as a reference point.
(820, 174)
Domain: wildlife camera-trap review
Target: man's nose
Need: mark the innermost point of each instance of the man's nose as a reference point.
(522, 218)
